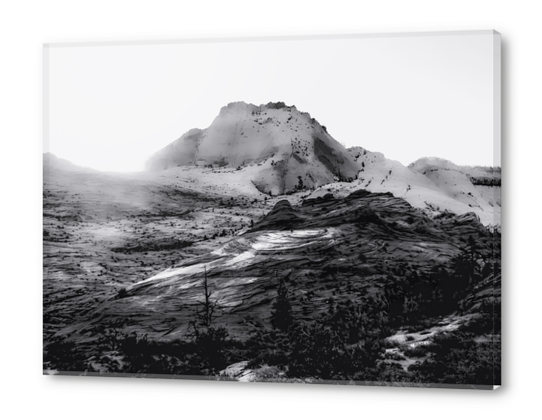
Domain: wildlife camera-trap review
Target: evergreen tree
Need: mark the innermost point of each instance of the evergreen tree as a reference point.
(466, 264)
(281, 316)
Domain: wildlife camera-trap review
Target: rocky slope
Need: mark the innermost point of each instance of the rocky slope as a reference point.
(330, 250)
(104, 231)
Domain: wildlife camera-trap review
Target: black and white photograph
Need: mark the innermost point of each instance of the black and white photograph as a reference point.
(304, 209)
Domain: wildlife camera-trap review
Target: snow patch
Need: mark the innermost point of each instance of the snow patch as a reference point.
(240, 260)
(274, 241)
(170, 272)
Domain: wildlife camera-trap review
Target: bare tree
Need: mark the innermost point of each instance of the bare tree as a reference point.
(207, 311)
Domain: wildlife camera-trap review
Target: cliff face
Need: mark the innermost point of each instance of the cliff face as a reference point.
(290, 149)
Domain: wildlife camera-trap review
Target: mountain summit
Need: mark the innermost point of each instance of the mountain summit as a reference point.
(290, 149)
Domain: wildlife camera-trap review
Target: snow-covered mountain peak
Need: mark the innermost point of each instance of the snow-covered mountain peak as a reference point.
(291, 149)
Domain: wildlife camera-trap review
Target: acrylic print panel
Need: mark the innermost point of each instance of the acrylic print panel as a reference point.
(312, 210)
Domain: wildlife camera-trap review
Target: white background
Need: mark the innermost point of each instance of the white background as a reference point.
(26, 25)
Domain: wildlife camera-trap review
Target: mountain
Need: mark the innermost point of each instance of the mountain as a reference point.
(284, 149)
(277, 150)
(52, 162)
(261, 243)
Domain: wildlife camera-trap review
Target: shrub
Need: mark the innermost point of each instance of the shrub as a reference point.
(122, 293)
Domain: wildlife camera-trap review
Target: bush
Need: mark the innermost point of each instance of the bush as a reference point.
(122, 293)
(63, 355)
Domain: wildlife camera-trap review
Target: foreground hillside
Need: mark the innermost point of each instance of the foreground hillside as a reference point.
(350, 244)
(377, 283)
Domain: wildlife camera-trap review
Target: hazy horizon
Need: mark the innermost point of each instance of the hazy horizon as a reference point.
(142, 169)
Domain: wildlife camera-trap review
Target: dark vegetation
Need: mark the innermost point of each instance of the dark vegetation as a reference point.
(461, 357)
(345, 342)
(488, 181)
(175, 244)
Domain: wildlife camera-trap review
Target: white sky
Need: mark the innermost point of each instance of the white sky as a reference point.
(112, 106)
